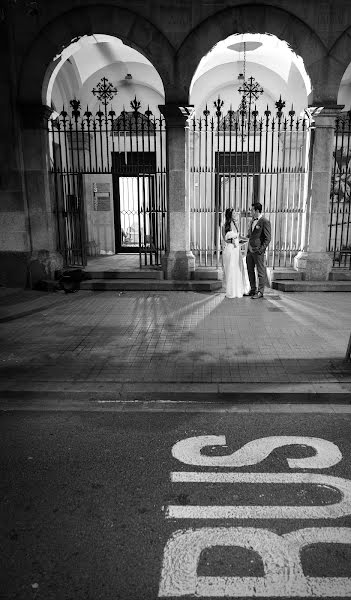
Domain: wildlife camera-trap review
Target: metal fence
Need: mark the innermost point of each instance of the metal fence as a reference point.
(339, 241)
(238, 157)
(109, 182)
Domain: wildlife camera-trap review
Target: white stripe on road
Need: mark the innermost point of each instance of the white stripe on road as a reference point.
(329, 511)
(189, 450)
(281, 560)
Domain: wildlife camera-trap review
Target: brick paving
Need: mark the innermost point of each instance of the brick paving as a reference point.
(141, 341)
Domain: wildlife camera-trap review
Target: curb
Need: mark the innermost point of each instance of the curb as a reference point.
(88, 399)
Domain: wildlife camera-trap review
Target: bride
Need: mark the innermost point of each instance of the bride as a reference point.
(235, 273)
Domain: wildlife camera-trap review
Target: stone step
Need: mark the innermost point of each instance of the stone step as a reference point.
(340, 275)
(100, 284)
(144, 274)
(285, 273)
(311, 286)
(207, 273)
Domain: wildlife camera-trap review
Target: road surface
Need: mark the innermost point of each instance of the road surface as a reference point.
(142, 505)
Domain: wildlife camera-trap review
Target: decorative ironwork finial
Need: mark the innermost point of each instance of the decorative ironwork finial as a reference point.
(75, 104)
(280, 105)
(104, 91)
(218, 105)
(100, 114)
(255, 113)
(135, 104)
(88, 114)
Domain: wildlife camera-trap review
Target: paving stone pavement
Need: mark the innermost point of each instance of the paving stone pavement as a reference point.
(175, 342)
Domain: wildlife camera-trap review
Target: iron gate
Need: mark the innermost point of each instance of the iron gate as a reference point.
(339, 242)
(238, 157)
(109, 179)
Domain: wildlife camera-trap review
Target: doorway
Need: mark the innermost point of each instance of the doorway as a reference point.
(139, 204)
(132, 204)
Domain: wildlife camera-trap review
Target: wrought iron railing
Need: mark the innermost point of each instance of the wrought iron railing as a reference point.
(339, 240)
(241, 157)
(120, 161)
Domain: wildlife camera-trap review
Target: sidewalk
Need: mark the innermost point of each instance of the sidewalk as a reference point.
(175, 346)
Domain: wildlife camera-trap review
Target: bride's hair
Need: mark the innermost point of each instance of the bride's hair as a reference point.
(229, 214)
(228, 219)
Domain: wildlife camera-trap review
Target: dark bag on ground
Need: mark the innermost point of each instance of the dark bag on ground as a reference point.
(69, 280)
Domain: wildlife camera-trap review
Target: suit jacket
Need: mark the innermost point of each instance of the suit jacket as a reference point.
(260, 237)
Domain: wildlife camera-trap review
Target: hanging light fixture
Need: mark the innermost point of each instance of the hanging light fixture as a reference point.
(249, 89)
(241, 76)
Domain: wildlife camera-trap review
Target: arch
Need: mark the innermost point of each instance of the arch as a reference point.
(248, 18)
(340, 56)
(132, 29)
(68, 86)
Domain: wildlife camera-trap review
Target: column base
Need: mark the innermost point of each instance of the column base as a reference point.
(178, 265)
(315, 266)
(43, 264)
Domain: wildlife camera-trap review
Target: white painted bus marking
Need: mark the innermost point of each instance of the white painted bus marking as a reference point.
(281, 560)
(188, 451)
(280, 554)
(328, 511)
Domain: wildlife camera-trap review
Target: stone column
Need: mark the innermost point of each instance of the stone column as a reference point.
(15, 243)
(41, 218)
(316, 263)
(179, 261)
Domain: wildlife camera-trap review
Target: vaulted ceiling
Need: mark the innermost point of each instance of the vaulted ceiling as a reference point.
(266, 58)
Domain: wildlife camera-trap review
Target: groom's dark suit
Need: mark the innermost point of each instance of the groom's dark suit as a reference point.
(259, 235)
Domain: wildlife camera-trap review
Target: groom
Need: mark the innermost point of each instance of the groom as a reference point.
(259, 237)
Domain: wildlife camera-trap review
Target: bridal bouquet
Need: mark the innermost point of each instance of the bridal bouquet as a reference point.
(232, 238)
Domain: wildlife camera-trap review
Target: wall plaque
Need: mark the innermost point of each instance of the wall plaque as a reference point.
(101, 187)
(102, 202)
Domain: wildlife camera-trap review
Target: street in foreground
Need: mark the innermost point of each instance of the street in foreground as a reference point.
(139, 505)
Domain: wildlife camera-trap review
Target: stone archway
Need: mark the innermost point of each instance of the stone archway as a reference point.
(132, 29)
(340, 57)
(250, 19)
(38, 64)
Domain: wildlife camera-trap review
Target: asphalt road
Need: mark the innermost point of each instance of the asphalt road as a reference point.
(94, 505)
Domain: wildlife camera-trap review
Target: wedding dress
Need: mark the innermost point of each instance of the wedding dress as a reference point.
(235, 271)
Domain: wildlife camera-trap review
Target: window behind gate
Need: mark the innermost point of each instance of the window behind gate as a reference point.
(238, 162)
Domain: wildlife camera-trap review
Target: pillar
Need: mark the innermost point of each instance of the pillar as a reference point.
(14, 239)
(316, 262)
(45, 260)
(179, 261)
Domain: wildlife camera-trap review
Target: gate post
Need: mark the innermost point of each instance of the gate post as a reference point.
(179, 261)
(316, 262)
(44, 258)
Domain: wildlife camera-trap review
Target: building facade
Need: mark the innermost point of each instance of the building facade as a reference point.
(131, 126)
